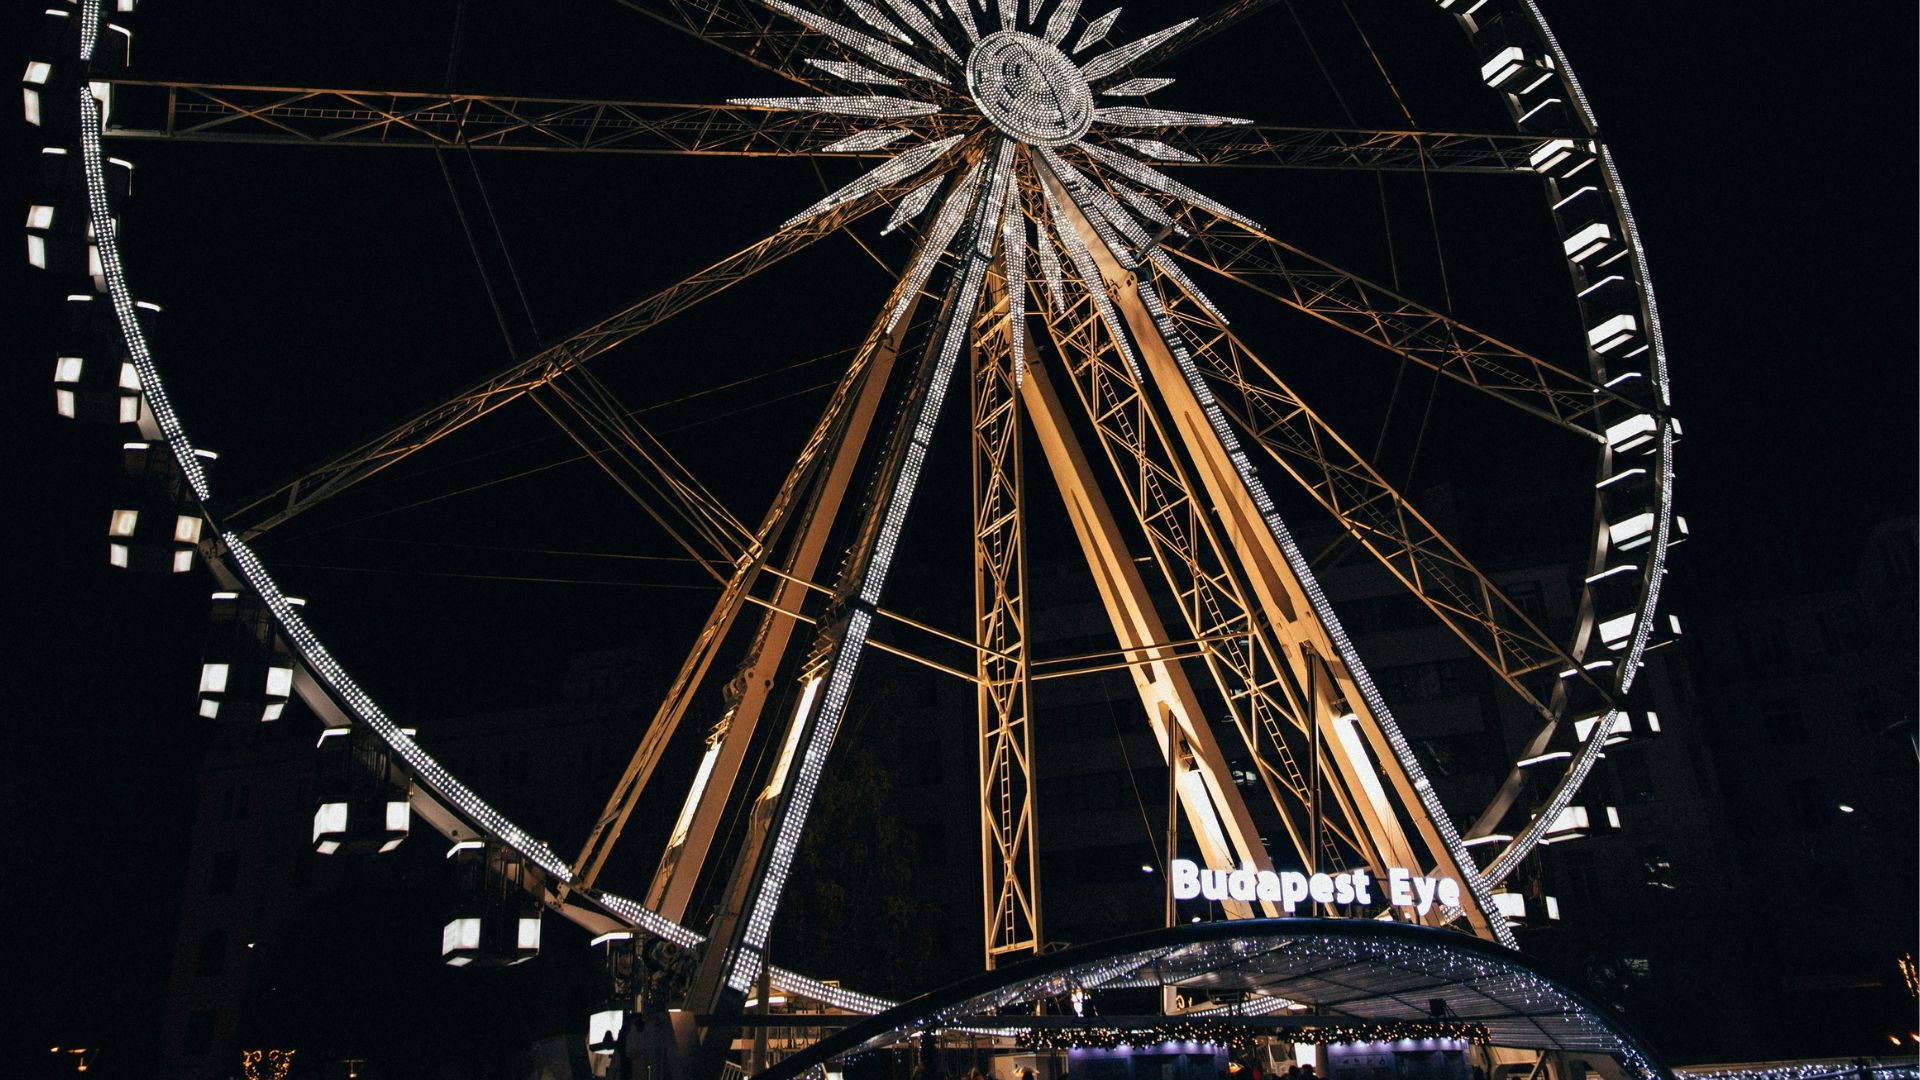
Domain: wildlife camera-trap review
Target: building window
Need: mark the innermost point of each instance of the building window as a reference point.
(213, 953)
(223, 872)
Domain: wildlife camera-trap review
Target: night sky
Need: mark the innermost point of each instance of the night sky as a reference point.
(311, 295)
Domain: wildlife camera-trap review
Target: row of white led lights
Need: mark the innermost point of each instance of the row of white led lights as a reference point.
(104, 374)
(1622, 339)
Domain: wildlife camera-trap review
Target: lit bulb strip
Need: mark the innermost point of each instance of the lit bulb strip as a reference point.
(1625, 674)
(1146, 174)
(876, 107)
(912, 205)
(1013, 253)
(1620, 196)
(945, 225)
(861, 141)
(1141, 117)
(915, 18)
(1156, 149)
(1166, 265)
(1329, 620)
(107, 243)
(1595, 749)
(1109, 62)
(319, 661)
(362, 706)
(852, 72)
(1149, 209)
(1061, 21)
(1137, 87)
(1050, 264)
(1104, 206)
(1095, 30)
(1091, 280)
(876, 50)
(967, 25)
(893, 171)
(871, 16)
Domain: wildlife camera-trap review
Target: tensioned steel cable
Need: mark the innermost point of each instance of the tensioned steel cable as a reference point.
(656, 468)
(1146, 821)
(453, 195)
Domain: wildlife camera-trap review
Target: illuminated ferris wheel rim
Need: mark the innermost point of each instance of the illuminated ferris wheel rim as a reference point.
(336, 696)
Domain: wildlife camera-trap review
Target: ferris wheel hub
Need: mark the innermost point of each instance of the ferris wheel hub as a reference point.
(1026, 87)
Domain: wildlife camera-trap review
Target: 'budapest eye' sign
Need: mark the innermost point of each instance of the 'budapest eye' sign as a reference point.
(1289, 888)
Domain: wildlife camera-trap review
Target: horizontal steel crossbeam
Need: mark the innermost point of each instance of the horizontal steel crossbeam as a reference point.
(211, 112)
(312, 116)
(1418, 333)
(1282, 147)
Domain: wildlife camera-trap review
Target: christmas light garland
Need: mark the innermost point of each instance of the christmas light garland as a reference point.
(1242, 1036)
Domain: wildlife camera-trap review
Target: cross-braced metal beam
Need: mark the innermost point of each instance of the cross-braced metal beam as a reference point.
(1349, 488)
(1009, 844)
(312, 116)
(1248, 665)
(307, 116)
(1215, 809)
(1396, 819)
(1412, 330)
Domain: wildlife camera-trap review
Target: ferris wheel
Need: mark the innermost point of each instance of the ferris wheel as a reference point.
(1072, 264)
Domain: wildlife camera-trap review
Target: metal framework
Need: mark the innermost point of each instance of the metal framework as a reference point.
(1032, 206)
(211, 112)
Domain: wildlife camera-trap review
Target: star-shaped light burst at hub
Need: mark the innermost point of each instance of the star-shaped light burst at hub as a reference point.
(1026, 90)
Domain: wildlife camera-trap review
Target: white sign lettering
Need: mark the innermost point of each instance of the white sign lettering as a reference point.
(1290, 888)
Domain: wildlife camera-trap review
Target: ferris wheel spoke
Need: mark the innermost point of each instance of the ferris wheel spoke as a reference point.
(1274, 146)
(428, 426)
(1408, 329)
(275, 115)
(1364, 751)
(807, 503)
(1369, 508)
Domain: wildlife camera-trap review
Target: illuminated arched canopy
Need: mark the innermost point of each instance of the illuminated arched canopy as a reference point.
(1362, 971)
